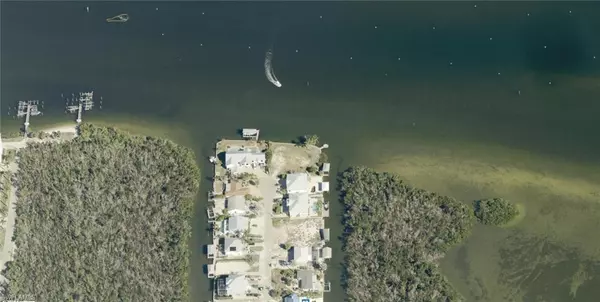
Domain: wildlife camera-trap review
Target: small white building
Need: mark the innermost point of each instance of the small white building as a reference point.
(301, 255)
(325, 168)
(233, 247)
(326, 253)
(236, 224)
(298, 204)
(296, 182)
(307, 280)
(236, 205)
(250, 133)
(244, 157)
(323, 186)
(210, 251)
(236, 285)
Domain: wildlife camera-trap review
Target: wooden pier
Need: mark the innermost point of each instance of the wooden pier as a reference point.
(27, 109)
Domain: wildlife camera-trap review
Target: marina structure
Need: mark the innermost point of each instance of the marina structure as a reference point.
(28, 109)
(84, 101)
(250, 133)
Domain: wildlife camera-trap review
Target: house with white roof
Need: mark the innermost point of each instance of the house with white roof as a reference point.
(296, 183)
(235, 224)
(236, 285)
(298, 204)
(236, 205)
(233, 247)
(307, 280)
(238, 157)
(301, 255)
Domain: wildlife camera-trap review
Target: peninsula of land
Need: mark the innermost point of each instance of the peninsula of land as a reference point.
(267, 210)
(395, 234)
(104, 216)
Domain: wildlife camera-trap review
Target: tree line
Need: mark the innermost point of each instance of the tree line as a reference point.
(104, 217)
(394, 235)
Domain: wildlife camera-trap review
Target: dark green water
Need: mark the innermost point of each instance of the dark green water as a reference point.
(427, 75)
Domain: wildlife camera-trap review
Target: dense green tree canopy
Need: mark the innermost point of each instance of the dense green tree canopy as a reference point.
(495, 211)
(394, 235)
(105, 217)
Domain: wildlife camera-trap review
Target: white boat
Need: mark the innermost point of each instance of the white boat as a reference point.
(122, 18)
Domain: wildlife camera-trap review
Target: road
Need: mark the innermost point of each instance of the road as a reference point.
(268, 190)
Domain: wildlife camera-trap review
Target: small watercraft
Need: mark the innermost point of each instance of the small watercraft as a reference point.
(122, 18)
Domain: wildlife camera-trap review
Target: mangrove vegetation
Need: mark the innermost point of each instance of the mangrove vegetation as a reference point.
(394, 236)
(104, 217)
(495, 211)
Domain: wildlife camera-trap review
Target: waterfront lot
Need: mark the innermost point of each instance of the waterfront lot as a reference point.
(247, 193)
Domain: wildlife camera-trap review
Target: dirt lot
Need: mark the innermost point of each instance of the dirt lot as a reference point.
(291, 158)
(303, 232)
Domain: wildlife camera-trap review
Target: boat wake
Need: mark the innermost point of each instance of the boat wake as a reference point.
(269, 69)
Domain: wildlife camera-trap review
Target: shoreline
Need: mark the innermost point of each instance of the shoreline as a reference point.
(63, 128)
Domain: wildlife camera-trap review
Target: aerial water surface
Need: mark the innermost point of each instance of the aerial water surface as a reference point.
(470, 100)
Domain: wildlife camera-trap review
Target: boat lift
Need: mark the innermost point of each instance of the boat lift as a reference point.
(85, 101)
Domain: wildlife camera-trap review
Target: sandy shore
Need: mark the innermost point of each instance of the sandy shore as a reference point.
(62, 128)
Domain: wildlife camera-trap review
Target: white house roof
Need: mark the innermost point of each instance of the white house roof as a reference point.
(237, 223)
(302, 254)
(298, 205)
(236, 202)
(326, 253)
(233, 245)
(235, 157)
(307, 279)
(236, 285)
(324, 186)
(326, 167)
(296, 182)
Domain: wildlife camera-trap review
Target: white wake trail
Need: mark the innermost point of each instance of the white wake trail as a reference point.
(269, 69)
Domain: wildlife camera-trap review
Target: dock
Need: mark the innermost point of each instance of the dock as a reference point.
(28, 109)
(250, 133)
(84, 101)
